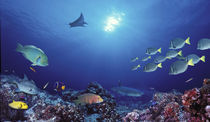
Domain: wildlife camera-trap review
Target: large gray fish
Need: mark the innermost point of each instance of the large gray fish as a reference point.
(178, 43)
(172, 54)
(203, 44)
(195, 58)
(179, 67)
(159, 59)
(127, 91)
(24, 85)
(152, 51)
(79, 22)
(150, 67)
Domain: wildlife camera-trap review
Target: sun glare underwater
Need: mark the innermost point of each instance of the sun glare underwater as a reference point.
(106, 61)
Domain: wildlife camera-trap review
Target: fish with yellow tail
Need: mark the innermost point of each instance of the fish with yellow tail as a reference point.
(180, 66)
(151, 67)
(178, 43)
(88, 98)
(134, 59)
(153, 51)
(135, 67)
(195, 58)
(18, 105)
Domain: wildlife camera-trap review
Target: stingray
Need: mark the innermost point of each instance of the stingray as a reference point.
(78, 22)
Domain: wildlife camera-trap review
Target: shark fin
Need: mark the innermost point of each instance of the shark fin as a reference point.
(25, 77)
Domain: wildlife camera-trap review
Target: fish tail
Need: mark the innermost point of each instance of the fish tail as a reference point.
(202, 58)
(19, 48)
(187, 40)
(190, 62)
(180, 53)
(159, 50)
(160, 65)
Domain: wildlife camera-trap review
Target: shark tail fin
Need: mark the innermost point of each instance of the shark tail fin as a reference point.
(187, 40)
(202, 58)
(190, 62)
(159, 50)
(180, 53)
(160, 65)
(19, 48)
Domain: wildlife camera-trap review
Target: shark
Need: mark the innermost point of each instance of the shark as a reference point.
(79, 22)
(127, 91)
(23, 85)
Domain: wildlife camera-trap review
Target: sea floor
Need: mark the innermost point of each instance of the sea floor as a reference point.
(192, 105)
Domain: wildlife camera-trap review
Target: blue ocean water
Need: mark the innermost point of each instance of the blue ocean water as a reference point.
(80, 55)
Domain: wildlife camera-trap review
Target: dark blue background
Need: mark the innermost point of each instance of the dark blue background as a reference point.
(78, 56)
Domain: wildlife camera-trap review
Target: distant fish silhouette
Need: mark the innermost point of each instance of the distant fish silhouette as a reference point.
(78, 22)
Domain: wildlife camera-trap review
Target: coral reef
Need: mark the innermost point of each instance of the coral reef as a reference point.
(193, 105)
(197, 101)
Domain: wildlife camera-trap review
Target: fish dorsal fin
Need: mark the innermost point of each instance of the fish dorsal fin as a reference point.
(25, 77)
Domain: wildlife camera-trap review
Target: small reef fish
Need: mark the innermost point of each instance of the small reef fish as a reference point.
(172, 54)
(45, 86)
(33, 54)
(135, 67)
(179, 67)
(189, 80)
(134, 59)
(88, 98)
(179, 43)
(59, 86)
(127, 91)
(203, 44)
(150, 67)
(146, 58)
(32, 69)
(159, 59)
(18, 105)
(195, 58)
(152, 51)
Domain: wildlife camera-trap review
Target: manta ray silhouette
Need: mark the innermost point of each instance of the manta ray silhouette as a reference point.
(78, 22)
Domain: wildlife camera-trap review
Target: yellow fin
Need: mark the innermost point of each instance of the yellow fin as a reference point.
(159, 50)
(149, 57)
(180, 53)
(190, 62)
(202, 58)
(160, 65)
(138, 65)
(168, 57)
(187, 40)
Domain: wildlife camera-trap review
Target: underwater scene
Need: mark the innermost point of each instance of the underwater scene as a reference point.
(105, 61)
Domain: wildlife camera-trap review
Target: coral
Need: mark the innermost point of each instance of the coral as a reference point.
(132, 116)
(171, 111)
(196, 102)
